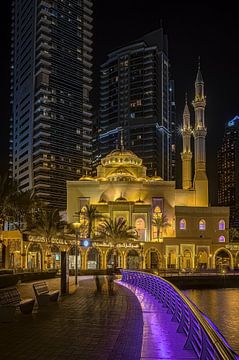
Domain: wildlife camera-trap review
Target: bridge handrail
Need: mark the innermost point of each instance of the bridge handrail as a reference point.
(201, 336)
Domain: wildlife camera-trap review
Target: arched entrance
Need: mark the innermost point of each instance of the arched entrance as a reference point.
(72, 259)
(113, 256)
(132, 260)
(55, 259)
(34, 257)
(172, 259)
(93, 259)
(2, 256)
(187, 261)
(223, 260)
(236, 263)
(153, 259)
(202, 260)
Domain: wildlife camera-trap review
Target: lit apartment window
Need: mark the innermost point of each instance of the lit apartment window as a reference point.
(221, 225)
(202, 224)
(182, 224)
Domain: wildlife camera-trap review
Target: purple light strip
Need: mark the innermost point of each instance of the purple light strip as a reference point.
(153, 289)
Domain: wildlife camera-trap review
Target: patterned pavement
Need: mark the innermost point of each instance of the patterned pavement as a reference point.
(84, 325)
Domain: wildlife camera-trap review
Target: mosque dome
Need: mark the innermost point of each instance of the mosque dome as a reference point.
(119, 157)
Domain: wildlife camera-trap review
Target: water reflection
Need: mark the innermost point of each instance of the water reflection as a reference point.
(222, 307)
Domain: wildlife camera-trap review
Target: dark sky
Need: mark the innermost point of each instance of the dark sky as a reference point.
(209, 31)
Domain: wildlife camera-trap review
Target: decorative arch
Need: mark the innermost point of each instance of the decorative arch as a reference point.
(236, 264)
(221, 224)
(133, 259)
(187, 259)
(153, 258)
(202, 224)
(34, 256)
(222, 249)
(182, 224)
(93, 258)
(110, 257)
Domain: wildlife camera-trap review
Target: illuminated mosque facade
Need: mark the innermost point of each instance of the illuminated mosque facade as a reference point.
(194, 236)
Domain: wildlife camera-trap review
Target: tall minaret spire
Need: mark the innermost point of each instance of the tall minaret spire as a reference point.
(199, 133)
(186, 154)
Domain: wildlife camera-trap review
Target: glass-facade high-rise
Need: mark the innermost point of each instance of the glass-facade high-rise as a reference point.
(135, 97)
(228, 171)
(51, 123)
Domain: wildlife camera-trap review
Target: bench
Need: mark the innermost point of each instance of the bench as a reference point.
(10, 300)
(43, 295)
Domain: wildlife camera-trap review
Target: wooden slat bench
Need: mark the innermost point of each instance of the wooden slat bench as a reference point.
(10, 300)
(43, 295)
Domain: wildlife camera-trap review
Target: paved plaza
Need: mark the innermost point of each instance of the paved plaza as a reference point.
(84, 325)
(127, 324)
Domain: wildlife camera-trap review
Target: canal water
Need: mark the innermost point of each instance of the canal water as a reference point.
(222, 307)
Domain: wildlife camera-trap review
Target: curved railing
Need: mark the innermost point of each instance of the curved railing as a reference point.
(202, 336)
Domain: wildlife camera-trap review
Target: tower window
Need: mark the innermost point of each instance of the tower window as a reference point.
(221, 225)
(182, 224)
(202, 224)
(221, 238)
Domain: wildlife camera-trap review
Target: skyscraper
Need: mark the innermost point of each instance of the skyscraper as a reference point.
(50, 84)
(228, 170)
(134, 96)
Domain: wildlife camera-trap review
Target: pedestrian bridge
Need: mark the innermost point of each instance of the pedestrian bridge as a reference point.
(174, 328)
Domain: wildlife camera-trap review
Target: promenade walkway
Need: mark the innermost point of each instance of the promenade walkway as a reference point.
(129, 325)
(82, 326)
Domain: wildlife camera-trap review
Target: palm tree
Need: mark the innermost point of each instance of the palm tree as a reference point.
(160, 221)
(48, 224)
(21, 209)
(89, 214)
(116, 231)
(8, 188)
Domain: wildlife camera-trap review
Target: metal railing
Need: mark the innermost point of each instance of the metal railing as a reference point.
(202, 336)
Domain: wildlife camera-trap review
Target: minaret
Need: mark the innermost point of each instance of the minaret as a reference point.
(200, 181)
(186, 154)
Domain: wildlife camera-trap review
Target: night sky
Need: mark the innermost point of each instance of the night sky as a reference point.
(210, 32)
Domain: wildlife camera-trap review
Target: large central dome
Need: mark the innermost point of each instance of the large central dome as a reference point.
(119, 157)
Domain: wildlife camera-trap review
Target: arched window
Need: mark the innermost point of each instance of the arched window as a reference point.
(221, 224)
(221, 238)
(140, 224)
(182, 224)
(202, 224)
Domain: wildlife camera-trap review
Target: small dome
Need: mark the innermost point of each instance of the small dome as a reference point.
(86, 177)
(121, 198)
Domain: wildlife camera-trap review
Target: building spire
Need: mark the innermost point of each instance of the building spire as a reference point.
(199, 78)
(186, 114)
(199, 132)
(186, 154)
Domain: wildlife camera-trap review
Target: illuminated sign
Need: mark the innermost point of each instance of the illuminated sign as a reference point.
(85, 242)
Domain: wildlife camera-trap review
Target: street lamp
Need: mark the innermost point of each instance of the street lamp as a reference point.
(142, 255)
(77, 228)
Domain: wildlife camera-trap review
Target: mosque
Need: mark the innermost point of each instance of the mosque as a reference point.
(194, 235)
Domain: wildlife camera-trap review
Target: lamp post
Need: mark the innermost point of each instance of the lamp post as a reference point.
(142, 255)
(76, 227)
